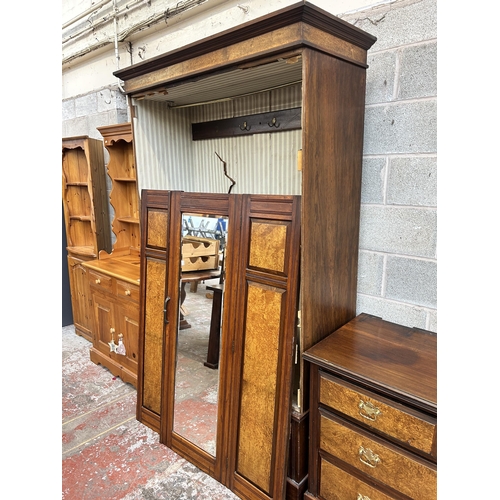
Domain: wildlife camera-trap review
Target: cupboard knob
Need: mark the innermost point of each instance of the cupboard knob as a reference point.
(97, 281)
(362, 497)
(127, 292)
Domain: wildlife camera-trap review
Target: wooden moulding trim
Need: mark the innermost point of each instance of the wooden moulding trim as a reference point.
(244, 39)
(116, 132)
(74, 142)
(260, 46)
(300, 12)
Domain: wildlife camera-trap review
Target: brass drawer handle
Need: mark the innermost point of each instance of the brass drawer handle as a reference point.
(368, 410)
(362, 497)
(127, 292)
(98, 281)
(369, 458)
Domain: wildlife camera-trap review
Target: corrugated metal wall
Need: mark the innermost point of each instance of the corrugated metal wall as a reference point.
(168, 158)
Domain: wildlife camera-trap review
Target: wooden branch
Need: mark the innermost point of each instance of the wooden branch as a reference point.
(233, 182)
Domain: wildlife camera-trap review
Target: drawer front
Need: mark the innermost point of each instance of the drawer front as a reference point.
(417, 431)
(384, 463)
(337, 484)
(127, 290)
(100, 281)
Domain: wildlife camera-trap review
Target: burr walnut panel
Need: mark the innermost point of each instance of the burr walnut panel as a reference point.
(267, 246)
(153, 261)
(153, 333)
(157, 228)
(258, 391)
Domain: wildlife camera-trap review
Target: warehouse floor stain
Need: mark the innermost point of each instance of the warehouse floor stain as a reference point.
(106, 452)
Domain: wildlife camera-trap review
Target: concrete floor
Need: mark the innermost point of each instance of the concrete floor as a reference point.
(106, 452)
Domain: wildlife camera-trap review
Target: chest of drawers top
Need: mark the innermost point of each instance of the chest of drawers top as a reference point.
(395, 361)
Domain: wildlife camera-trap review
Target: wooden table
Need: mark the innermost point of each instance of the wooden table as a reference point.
(214, 336)
(194, 277)
(215, 321)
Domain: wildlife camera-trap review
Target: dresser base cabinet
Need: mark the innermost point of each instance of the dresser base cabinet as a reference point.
(114, 288)
(373, 414)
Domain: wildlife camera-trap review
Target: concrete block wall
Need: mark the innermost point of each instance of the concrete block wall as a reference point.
(397, 277)
(82, 114)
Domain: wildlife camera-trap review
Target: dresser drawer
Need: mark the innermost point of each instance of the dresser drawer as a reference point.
(100, 281)
(407, 426)
(383, 462)
(337, 484)
(127, 290)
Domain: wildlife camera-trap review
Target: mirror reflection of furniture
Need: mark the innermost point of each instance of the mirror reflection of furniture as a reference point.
(215, 326)
(193, 277)
(196, 385)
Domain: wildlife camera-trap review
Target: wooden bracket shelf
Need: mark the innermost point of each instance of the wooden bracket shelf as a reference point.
(275, 121)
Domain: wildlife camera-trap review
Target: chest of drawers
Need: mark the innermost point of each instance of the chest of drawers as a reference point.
(373, 413)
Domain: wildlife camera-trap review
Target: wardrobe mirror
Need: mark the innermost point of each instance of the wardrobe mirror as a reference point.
(203, 252)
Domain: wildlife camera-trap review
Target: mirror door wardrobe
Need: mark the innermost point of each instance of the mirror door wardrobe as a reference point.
(222, 349)
(203, 245)
(200, 257)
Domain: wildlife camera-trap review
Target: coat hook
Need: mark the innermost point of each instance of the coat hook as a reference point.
(273, 123)
(245, 126)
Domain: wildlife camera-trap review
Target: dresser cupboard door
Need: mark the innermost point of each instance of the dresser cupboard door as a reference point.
(264, 323)
(80, 297)
(128, 318)
(105, 329)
